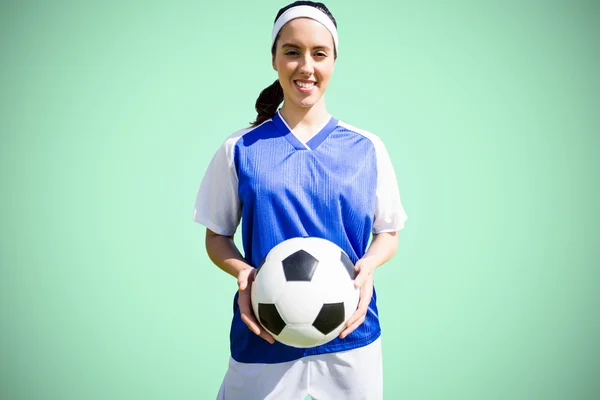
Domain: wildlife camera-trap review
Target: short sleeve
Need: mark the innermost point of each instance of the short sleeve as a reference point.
(217, 205)
(389, 212)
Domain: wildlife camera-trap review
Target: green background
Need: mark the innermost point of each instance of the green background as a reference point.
(111, 111)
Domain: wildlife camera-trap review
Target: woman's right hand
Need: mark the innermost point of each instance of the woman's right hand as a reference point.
(245, 279)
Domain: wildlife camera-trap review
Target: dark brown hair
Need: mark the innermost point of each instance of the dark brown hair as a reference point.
(271, 97)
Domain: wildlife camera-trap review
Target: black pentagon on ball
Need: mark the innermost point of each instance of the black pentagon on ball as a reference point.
(270, 318)
(299, 266)
(348, 265)
(330, 317)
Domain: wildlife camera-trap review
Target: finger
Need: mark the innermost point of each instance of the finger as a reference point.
(360, 312)
(365, 299)
(361, 309)
(355, 317)
(251, 322)
(246, 311)
(243, 279)
(360, 279)
(253, 325)
(244, 300)
(352, 327)
(267, 336)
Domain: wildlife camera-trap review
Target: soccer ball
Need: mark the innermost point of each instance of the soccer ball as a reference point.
(303, 292)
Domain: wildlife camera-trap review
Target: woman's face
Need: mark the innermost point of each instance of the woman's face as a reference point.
(304, 61)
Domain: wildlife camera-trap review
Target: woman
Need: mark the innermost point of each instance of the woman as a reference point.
(298, 171)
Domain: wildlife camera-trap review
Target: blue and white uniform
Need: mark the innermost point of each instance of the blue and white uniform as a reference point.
(339, 185)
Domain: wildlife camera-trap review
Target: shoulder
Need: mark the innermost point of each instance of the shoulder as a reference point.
(370, 136)
(228, 145)
(234, 137)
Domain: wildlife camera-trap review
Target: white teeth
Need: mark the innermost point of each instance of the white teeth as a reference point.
(305, 85)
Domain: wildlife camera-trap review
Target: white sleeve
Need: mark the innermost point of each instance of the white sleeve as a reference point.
(217, 204)
(389, 212)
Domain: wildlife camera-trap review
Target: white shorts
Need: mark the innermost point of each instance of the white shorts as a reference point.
(346, 375)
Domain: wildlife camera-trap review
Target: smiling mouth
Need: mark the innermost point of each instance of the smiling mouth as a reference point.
(304, 85)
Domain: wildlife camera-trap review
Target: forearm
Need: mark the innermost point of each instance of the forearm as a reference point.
(382, 249)
(223, 252)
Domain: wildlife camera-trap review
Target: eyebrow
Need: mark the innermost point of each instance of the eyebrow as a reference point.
(295, 46)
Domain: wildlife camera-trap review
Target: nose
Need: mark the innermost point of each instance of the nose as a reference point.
(306, 65)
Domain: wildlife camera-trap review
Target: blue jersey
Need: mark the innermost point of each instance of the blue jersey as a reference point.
(339, 185)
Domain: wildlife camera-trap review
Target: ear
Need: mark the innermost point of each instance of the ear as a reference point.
(273, 63)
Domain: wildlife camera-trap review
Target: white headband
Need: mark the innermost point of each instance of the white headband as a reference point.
(305, 12)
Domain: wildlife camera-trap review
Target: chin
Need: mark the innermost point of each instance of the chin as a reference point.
(307, 103)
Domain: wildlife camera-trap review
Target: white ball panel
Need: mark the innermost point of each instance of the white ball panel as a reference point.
(301, 335)
(299, 304)
(269, 282)
(351, 301)
(332, 283)
(323, 250)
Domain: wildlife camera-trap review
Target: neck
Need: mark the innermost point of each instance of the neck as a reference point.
(305, 116)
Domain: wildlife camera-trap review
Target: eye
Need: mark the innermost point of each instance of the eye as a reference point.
(291, 53)
(321, 54)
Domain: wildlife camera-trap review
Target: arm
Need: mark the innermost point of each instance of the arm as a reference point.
(223, 252)
(382, 249)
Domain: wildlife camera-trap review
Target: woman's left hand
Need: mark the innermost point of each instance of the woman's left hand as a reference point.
(364, 281)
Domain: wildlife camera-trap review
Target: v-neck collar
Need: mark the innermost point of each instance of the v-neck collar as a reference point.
(313, 142)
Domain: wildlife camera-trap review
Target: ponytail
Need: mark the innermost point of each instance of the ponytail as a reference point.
(266, 105)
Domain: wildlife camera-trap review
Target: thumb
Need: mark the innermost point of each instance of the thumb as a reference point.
(242, 281)
(361, 278)
(245, 277)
